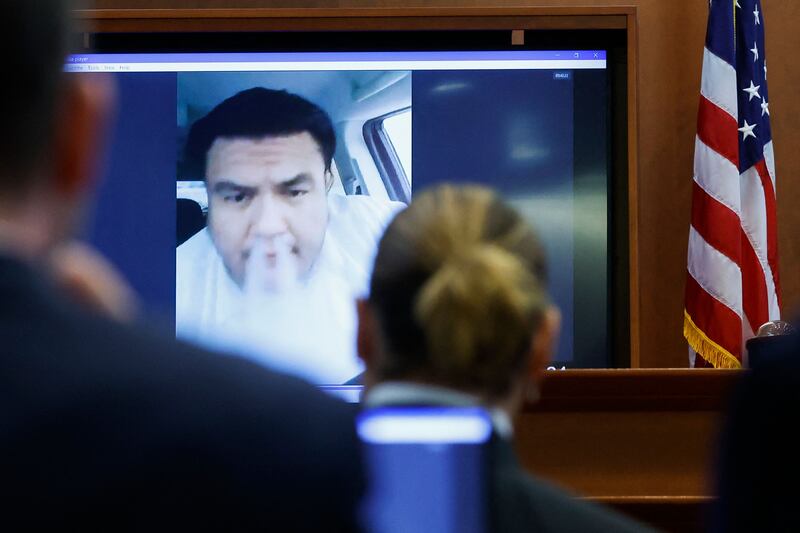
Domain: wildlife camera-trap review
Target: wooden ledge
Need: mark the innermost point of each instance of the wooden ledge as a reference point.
(393, 12)
(635, 390)
(354, 19)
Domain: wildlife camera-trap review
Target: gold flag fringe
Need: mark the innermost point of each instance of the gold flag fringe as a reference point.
(709, 350)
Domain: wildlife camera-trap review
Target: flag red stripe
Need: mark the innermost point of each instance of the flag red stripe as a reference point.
(716, 320)
(772, 223)
(754, 286)
(716, 223)
(718, 130)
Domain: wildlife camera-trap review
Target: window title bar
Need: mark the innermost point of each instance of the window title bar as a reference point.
(218, 62)
(295, 57)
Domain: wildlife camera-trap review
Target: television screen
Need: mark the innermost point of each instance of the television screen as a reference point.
(245, 193)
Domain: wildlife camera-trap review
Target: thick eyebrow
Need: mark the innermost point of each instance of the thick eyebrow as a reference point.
(300, 179)
(223, 187)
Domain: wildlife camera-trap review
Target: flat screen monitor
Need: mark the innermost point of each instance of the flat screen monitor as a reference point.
(246, 191)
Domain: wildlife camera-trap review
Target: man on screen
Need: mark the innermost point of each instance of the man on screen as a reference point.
(282, 258)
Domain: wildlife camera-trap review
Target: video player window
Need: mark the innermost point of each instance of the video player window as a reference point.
(246, 193)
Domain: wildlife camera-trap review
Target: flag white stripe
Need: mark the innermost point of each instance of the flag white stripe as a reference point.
(717, 176)
(715, 273)
(754, 213)
(773, 309)
(772, 296)
(769, 158)
(747, 333)
(718, 84)
(754, 224)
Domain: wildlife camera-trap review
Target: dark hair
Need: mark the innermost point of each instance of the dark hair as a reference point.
(256, 113)
(34, 42)
(459, 290)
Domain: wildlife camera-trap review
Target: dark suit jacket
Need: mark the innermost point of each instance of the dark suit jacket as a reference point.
(116, 429)
(759, 470)
(521, 503)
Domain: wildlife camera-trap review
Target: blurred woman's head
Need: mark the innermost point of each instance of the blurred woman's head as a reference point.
(458, 297)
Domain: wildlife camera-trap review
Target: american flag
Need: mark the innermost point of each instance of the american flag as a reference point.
(732, 285)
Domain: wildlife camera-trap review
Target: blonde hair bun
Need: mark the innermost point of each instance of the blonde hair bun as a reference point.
(459, 287)
(473, 301)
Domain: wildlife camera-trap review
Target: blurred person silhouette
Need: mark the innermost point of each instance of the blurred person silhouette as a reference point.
(105, 425)
(458, 315)
(757, 469)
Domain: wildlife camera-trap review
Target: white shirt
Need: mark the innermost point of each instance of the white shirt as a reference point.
(405, 392)
(309, 331)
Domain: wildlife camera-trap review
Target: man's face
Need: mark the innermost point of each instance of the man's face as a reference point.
(268, 194)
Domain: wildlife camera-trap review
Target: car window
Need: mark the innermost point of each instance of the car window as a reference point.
(398, 131)
(388, 138)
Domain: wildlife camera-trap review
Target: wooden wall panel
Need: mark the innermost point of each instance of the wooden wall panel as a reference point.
(643, 441)
(626, 433)
(671, 36)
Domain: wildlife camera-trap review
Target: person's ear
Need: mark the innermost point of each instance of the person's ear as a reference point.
(328, 180)
(543, 344)
(367, 337)
(80, 131)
